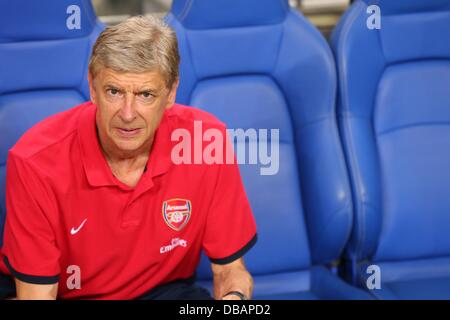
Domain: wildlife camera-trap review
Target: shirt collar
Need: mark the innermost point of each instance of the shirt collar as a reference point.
(95, 165)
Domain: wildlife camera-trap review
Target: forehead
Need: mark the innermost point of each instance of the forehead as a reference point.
(152, 79)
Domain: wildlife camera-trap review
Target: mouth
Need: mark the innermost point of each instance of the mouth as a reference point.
(128, 132)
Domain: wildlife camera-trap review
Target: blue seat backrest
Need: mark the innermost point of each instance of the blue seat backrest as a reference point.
(257, 64)
(394, 112)
(44, 53)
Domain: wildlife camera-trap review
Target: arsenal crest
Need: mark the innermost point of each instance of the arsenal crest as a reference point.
(176, 213)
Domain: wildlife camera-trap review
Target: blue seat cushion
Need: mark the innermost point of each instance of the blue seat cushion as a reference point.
(318, 283)
(411, 279)
(420, 289)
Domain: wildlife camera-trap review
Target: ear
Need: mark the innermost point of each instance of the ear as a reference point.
(173, 94)
(92, 91)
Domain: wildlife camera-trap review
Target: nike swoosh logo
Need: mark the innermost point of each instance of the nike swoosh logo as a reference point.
(75, 231)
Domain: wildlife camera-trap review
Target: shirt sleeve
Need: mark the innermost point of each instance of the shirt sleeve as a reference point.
(230, 228)
(29, 247)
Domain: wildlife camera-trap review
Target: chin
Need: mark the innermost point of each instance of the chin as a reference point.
(128, 146)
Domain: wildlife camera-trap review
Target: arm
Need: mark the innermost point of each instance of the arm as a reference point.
(29, 291)
(29, 247)
(231, 277)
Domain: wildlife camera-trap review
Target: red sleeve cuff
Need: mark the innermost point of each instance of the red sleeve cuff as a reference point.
(238, 254)
(29, 278)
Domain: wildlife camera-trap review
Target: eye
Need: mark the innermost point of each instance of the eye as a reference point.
(113, 91)
(146, 94)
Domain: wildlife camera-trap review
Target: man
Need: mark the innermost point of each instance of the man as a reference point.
(97, 209)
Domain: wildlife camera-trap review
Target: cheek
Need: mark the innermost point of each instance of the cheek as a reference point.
(105, 116)
(101, 120)
(151, 118)
(108, 108)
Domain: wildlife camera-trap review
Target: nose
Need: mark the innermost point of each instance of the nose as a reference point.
(127, 111)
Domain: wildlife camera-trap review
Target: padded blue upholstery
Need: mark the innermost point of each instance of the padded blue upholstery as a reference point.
(394, 112)
(43, 67)
(258, 64)
(417, 279)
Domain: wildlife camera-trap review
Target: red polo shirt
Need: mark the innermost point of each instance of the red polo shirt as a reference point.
(69, 218)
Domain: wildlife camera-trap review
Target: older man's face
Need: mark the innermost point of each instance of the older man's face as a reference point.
(129, 108)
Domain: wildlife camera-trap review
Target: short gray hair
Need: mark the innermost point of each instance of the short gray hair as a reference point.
(138, 44)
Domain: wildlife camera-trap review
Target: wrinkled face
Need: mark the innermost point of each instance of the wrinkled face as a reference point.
(129, 108)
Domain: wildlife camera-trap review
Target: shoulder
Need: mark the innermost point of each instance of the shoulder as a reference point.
(182, 116)
(52, 131)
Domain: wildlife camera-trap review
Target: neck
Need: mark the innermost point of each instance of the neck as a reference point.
(124, 156)
(128, 167)
(122, 162)
(127, 162)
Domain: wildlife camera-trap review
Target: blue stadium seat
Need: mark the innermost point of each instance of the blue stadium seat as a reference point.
(394, 118)
(44, 52)
(258, 64)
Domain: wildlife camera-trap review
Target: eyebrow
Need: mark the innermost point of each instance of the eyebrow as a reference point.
(149, 90)
(112, 86)
(118, 88)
